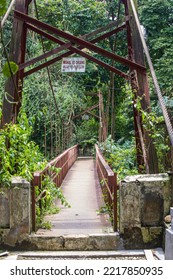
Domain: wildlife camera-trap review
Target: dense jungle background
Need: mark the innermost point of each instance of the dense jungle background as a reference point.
(46, 125)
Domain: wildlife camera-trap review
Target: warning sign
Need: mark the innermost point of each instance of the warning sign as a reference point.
(73, 64)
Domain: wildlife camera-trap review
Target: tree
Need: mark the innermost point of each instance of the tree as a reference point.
(157, 18)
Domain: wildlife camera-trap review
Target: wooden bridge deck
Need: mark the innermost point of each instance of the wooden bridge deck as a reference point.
(83, 192)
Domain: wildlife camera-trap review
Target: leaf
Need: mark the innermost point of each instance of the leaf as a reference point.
(2, 7)
(9, 68)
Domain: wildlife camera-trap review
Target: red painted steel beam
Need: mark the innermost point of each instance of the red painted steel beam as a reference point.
(103, 64)
(99, 62)
(109, 34)
(78, 41)
(45, 55)
(104, 28)
(92, 114)
(95, 40)
(86, 111)
(56, 50)
(64, 46)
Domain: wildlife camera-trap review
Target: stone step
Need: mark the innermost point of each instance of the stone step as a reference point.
(74, 242)
(157, 254)
(120, 254)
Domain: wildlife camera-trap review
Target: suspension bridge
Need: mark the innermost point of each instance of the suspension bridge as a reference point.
(81, 187)
(80, 177)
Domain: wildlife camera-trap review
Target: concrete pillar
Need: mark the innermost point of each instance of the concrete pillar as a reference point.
(4, 208)
(144, 202)
(169, 240)
(15, 207)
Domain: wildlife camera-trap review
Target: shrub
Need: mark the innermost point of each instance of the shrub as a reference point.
(18, 155)
(121, 157)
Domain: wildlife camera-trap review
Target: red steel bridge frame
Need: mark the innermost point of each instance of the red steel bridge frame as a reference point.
(69, 44)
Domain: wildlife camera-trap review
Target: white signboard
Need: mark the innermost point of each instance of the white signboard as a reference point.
(73, 64)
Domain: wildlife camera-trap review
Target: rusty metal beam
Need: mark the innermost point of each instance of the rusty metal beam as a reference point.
(95, 40)
(102, 29)
(146, 154)
(99, 62)
(94, 115)
(86, 111)
(78, 41)
(103, 64)
(45, 55)
(109, 34)
(54, 39)
(64, 46)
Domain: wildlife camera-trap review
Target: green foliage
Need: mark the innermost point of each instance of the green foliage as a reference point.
(121, 157)
(3, 4)
(18, 155)
(45, 225)
(74, 16)
(80, 17)
(154, 124)
(9, 69)
(87, 130)
(157, 17)
(40, 106)
(51, 194)
(124, 114)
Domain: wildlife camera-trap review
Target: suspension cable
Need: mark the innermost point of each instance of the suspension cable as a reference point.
(153, 74)
(48, 71)
(7, 13)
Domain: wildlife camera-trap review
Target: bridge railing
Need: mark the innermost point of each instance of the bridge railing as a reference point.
(64, 161)
(108, 181)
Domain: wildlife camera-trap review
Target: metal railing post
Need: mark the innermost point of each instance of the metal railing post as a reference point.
(110, 183)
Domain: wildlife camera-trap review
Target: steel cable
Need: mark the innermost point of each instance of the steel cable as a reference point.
(48, 72)
(153, 74)
(7, 13)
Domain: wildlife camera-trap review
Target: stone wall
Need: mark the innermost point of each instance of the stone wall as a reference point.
(144, 202)
(15, 209)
